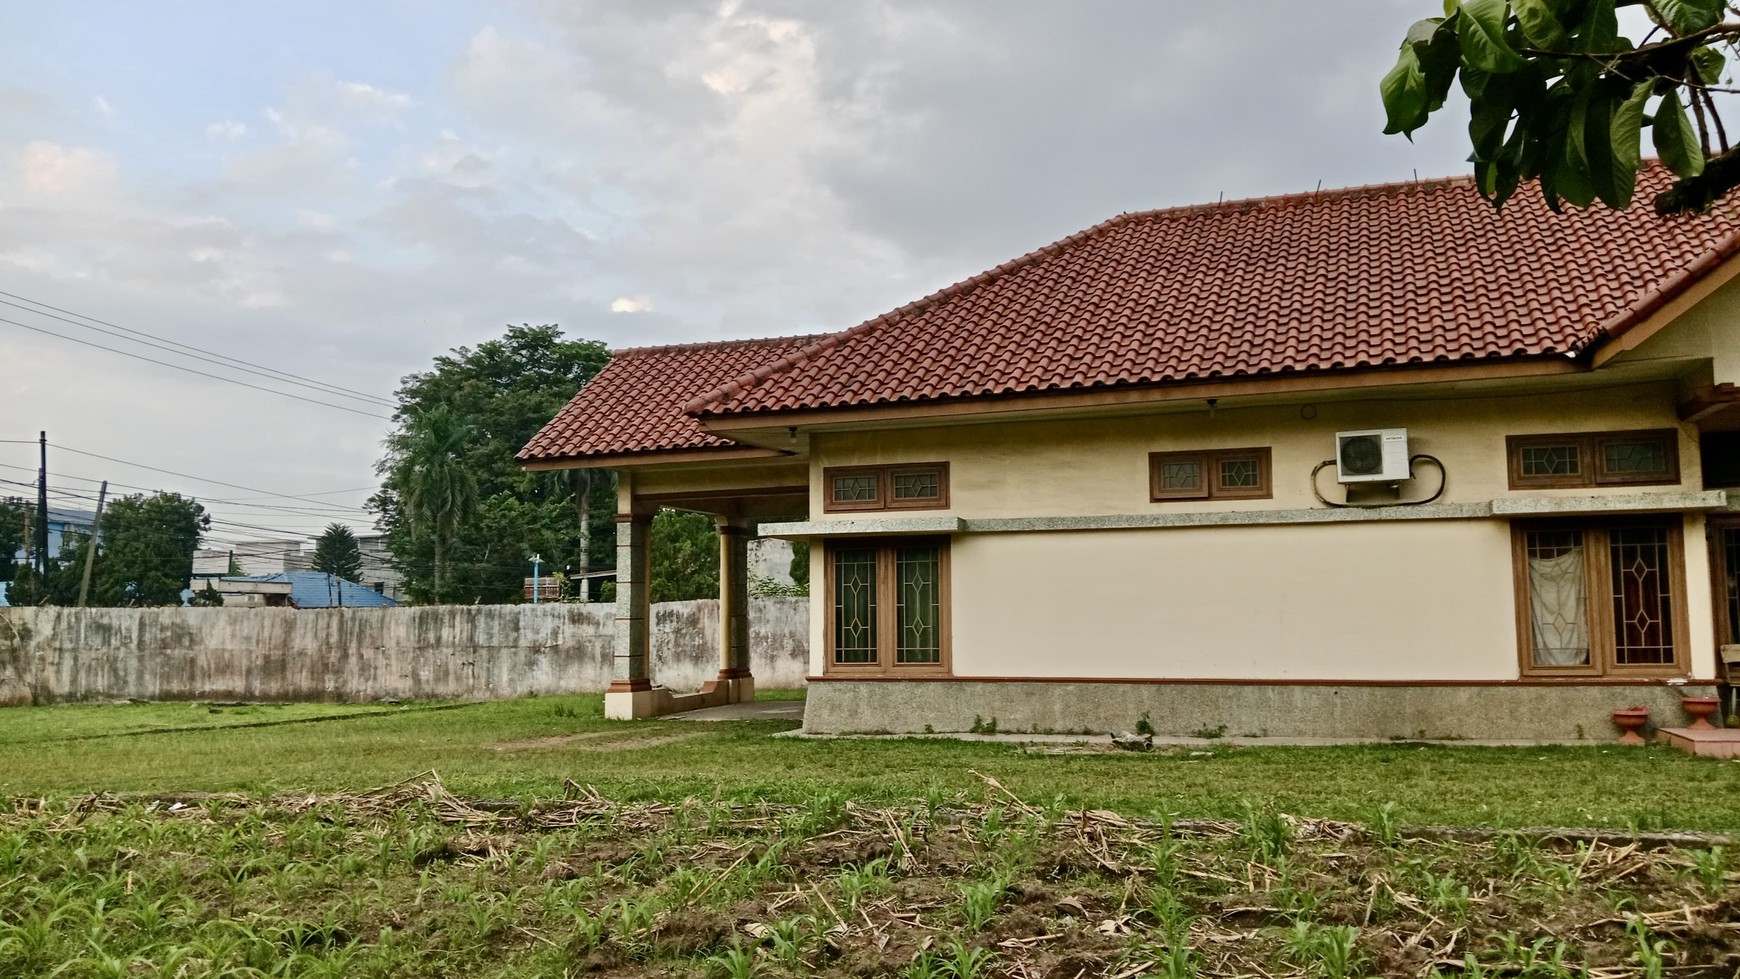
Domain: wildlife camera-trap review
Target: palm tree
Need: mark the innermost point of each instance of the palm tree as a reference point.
(439, 490)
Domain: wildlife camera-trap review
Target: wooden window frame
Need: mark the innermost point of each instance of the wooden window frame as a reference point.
(1598, 573)
(888, 610)
(884, 477)
(1211, 488)
(1591, 455)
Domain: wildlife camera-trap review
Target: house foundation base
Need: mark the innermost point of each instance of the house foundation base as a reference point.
(1555, 712)
(658, 701)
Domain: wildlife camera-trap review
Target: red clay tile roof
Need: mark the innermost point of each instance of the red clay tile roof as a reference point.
(635, 404)
(1424, 273)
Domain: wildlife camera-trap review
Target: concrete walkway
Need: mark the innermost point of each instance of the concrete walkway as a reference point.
(759, 710)
(1104, 741)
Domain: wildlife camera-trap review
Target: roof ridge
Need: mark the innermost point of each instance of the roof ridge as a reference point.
(831, 341)
(692, 346)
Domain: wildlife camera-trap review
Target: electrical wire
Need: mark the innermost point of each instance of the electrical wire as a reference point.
(215, 377)
(168, 346)
(214, 482)
(333, 510)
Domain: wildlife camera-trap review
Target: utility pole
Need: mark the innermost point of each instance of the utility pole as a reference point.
(42, 509)
(536, 581)
(91, 545)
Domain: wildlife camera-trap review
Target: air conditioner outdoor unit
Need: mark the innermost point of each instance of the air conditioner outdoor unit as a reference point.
(1378, 455)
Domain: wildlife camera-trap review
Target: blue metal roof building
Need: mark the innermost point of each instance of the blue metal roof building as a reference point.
(317, 589)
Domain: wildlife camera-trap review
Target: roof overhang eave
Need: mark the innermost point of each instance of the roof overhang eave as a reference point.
(649, 458)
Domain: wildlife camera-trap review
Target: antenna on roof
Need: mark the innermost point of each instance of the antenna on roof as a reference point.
(1222, 198)
(1416, 175)
(1319, 189)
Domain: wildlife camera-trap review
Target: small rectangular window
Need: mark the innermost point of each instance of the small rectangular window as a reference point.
(1220, 474)
(909, 486)
(1649, 457)
(854, 489)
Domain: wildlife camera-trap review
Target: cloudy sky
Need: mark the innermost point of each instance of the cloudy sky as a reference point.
(343, 190)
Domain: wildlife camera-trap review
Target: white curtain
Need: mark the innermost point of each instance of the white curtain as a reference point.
(1559, 602)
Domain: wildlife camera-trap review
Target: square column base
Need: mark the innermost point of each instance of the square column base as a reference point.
(630, 705)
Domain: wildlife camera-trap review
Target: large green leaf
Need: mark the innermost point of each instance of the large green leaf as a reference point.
(1676, 142)
(1540, 25)
(1404, 94)
(1686, 16)
(1708, 63)
(1598, 29)
(1481, 31)
(1440, 57)
(1627, 128)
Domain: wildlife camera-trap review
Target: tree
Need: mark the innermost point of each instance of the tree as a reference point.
(1557, 92)
(337, 552)
(11, 538)
(685, 556)
(439, 490)
(504, 390)
(144, 551)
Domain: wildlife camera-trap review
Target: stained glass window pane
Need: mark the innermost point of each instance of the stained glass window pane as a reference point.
(852, 489)
(917, 486)
(1731, 581)
(1238, 473)
(1551, 460)
(918, 570)
(854, 605)
(1643, 628)
(1182, 474)
(1558, 597)
(1635, 456)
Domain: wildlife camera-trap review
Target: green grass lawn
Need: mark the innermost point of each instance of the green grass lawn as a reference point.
(527, 748)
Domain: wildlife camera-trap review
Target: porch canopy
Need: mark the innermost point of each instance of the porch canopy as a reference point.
(630, 419)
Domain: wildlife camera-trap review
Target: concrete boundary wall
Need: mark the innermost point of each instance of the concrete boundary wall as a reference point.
(449, 652)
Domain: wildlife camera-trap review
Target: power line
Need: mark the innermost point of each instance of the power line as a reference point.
(326, 511)
(169, 346)
(215, 377)
(202, 479)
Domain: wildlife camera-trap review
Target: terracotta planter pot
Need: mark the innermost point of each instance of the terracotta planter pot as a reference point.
(1700, 709)
(1630, 721)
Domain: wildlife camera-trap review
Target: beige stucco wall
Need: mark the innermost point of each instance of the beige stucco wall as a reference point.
(1708, 331)
(1420, 600)
(1099, 466)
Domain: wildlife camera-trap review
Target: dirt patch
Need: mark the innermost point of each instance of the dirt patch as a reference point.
(552, 741)
(591, 741)
(986, 887)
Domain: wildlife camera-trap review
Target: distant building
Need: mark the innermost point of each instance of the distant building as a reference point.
(296, 589)
(268, 557)
(61, 521)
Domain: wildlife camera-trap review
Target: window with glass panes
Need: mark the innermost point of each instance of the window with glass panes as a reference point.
(887, 604)
(1601, 597)
(910, 486)
(1634, 458)
(1211, 474)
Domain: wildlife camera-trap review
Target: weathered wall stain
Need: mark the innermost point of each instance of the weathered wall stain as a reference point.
(462, 652)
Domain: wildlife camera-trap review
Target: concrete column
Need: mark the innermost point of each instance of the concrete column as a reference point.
(734, 672)
(630, 691)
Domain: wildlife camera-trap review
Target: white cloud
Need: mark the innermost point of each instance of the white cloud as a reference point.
(53, 169)
(366, 97)
(102, 106)
(227, 129)
(630, 304)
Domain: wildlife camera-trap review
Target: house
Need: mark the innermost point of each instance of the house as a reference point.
(61, 521)
(264, 557)
(296, 589)
(1376, 462)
